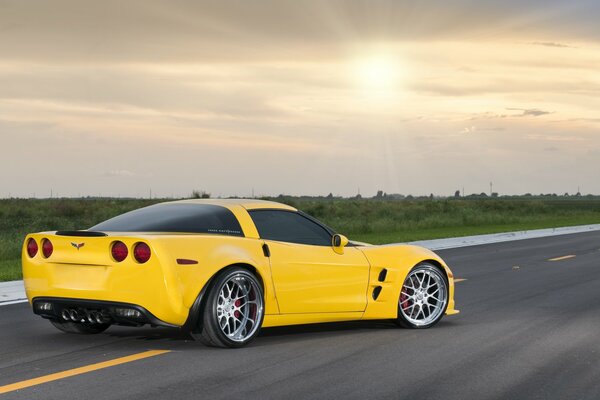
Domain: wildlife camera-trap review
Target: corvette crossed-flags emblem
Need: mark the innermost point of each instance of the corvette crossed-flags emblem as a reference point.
(77, 245)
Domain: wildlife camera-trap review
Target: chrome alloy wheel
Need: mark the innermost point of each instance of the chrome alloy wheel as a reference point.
(424, 296)
(239, 308)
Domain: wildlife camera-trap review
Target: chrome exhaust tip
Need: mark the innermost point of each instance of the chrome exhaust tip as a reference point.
(65, 315)
(91, 317)
(99, 318)
(74, 315)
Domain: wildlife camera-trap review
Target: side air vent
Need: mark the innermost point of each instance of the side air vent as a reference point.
(266, 250)
(81, 233)
(376, 292)
(382, 275)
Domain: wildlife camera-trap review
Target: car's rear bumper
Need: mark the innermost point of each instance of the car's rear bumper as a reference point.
(154, 286)
(113, 312)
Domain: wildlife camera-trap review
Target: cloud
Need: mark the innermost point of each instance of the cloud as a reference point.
(525, 112)
(582, 120)
(451, 89)
(119, 173)
(239, 29)
(136, 93)
(552, 44)
(530, 112)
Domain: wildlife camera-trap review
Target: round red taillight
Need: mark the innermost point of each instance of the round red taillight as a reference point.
(47, 248)
(119, 251)
(32, 248)
(141, 252)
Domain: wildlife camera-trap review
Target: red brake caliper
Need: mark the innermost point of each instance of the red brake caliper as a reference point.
(237, 304)
(404, 301)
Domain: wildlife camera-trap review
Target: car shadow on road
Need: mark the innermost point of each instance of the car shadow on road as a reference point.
(148, 333)
(326, 327)
(160, 333)
(267, 336)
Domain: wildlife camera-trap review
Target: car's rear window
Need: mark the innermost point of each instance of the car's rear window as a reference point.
(169, 217)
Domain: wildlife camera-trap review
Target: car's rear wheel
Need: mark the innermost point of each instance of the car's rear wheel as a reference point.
(80, 328)
(423, 298)
(234, 309)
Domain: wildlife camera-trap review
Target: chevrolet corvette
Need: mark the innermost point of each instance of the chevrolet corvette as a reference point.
(223, 269)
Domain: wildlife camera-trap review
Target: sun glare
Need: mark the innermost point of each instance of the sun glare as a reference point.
(378, 72)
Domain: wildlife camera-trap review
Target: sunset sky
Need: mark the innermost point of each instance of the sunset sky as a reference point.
(118, 98)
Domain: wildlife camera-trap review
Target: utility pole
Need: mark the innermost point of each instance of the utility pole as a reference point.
(491, 189)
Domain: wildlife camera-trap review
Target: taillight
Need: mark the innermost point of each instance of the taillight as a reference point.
(47, 248)
(141, 252)
(32, 247)
(119, 251)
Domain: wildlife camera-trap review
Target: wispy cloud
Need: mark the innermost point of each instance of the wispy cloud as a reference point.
(119, 173)
(553, 44)
(530, 112)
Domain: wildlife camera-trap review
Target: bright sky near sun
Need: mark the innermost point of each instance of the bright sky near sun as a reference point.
(118, 98)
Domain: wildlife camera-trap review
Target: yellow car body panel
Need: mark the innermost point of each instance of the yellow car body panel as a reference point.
(302, 283)
(163, 287)
(315, 279)
(398, 260)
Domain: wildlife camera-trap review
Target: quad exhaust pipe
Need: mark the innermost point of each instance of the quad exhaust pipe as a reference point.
(93, 317)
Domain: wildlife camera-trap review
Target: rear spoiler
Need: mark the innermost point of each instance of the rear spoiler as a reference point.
(80, 233)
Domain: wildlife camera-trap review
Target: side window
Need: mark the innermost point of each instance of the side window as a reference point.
(289, 226)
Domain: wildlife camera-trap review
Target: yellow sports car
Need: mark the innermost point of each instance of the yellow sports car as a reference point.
(222, 269)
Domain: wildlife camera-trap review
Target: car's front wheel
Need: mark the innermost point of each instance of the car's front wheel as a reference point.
(234, 309)
(423, 298)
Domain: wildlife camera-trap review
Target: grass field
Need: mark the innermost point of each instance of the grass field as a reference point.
(369, 220)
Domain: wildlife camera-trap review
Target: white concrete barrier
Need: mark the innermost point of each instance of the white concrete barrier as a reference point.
(12, 292)
(464, 241)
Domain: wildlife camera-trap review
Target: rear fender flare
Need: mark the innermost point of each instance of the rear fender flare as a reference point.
(193, 324)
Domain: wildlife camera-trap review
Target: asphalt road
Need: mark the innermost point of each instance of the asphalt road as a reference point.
(528, 329)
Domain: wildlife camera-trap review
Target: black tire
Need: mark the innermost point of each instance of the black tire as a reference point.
(418, 306)
(220, 310)
(79, 328)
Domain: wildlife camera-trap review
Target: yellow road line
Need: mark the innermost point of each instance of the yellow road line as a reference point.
(456, 280)
(80, 370)
(562, 258)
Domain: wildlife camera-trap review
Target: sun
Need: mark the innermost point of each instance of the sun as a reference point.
(377, 72)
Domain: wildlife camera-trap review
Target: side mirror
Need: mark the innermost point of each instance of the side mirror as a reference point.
(338, 242)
